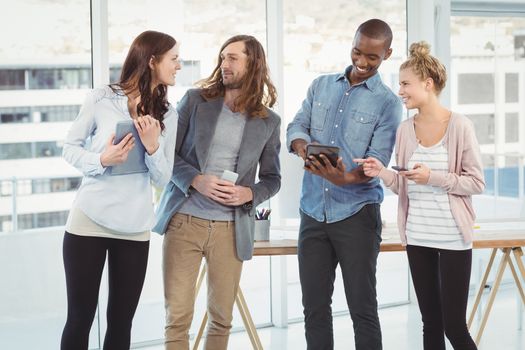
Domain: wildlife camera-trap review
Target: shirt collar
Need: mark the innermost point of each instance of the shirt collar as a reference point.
(371, 83)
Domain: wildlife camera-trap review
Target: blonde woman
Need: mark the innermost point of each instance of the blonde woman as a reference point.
(440, 169)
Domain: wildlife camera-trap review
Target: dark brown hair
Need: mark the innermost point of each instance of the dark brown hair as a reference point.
(136, 73)
(257, 89)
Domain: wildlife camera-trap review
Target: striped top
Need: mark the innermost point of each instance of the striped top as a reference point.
(430, 222)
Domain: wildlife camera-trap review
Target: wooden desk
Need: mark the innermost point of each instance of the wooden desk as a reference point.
(510, 242)
(507, 243)
(275, 247)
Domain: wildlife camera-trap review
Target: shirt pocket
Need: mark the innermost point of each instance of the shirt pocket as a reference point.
(364, 124)
(319, 116)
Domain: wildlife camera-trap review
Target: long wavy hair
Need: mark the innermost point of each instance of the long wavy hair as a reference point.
(257, 89)
(136, 73)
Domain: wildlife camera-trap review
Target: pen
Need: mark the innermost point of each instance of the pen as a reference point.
(262, 214)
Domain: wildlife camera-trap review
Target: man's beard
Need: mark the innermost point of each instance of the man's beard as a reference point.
(236, 84)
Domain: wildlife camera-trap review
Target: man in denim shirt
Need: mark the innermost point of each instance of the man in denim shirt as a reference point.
(340, 213)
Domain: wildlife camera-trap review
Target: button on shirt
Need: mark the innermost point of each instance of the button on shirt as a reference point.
(361, 120)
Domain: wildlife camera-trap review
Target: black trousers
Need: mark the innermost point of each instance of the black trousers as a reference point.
(84, 259)
(352, 243)
(441, 280)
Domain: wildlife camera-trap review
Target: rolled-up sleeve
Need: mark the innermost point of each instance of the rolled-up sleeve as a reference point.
(183, 173)
(299, 128)
(160, 163)
(74, 151)
(269, 168)
(383, 138)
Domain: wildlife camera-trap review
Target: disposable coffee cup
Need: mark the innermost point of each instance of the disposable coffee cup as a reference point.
(262, 230)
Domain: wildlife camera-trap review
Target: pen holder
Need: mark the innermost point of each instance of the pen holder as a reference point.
(262, 230)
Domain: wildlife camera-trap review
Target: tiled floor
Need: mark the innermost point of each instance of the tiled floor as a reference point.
(401, 327)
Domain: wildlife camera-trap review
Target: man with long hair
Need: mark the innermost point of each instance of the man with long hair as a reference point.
(225, 124)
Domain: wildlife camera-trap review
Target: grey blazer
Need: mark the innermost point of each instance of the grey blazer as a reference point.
(260, 146)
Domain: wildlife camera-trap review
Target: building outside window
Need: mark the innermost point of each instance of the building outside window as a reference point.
(15, 150)
(45, 73)
(475, 88)
(12, 79)
(487, 79)
(60, 78)
(57, 113)
(512, 88)
(15, 115)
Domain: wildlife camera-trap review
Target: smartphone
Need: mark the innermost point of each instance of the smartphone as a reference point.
(331, 152)
(398, 168)
(229, 176)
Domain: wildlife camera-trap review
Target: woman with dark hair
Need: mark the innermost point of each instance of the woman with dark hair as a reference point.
(113, 214)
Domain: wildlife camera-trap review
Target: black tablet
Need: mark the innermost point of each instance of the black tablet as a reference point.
(331, 152)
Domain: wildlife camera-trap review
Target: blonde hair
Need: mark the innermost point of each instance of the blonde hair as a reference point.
(425, 65)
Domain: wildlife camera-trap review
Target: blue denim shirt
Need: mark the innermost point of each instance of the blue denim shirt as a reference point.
(362, 121)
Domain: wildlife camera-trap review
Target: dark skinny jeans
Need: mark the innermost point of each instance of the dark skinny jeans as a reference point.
(441, 280)
(84, 259)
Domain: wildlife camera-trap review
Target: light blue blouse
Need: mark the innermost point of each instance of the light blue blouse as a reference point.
(122, 203)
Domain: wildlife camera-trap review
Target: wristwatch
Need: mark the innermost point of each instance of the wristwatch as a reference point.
(248, 205)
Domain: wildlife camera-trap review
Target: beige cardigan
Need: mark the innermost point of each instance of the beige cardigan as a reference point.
(465, 176)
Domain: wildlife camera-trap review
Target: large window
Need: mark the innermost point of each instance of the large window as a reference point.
(487, 80)
(45, 69)
(487, 76)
